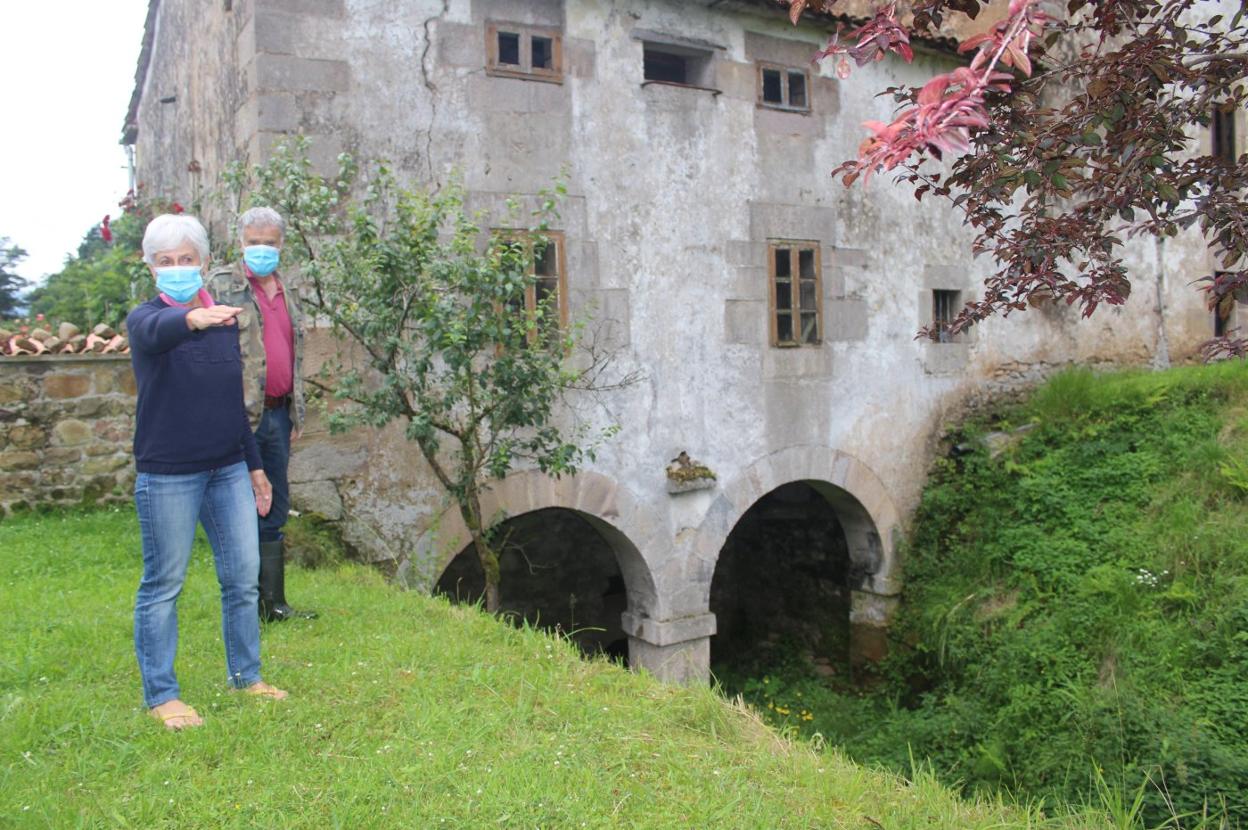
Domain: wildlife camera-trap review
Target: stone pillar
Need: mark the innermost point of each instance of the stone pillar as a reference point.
(674, 651)
(870, 615)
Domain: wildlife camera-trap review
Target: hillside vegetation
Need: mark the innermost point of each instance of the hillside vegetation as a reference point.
(405, 712)
(1075, 621)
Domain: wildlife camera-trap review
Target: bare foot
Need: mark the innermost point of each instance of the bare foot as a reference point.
(176, 715)
(262, 689)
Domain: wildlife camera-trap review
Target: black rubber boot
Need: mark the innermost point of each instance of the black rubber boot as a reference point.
(273, 607)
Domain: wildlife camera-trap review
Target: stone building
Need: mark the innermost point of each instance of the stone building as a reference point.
(772, 311)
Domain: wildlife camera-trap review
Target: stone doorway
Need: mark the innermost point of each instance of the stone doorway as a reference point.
(557, 571)
(782, 584)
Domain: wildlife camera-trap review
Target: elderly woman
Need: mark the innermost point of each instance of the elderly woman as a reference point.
(197, 462)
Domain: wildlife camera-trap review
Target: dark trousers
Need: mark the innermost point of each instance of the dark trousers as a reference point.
(273, 439)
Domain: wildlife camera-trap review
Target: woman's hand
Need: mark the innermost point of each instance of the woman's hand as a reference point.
(263, 490)
(217, 315)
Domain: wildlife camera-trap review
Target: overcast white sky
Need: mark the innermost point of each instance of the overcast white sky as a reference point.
(67, 69)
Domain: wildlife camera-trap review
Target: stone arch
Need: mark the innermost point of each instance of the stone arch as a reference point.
(607, 507)
(866, 513)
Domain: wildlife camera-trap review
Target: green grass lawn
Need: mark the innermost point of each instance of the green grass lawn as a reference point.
(404, 712)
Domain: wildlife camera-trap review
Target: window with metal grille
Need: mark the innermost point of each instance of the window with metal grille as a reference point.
(516, 51)
(945, 307)
(796, 295)
(785, 88)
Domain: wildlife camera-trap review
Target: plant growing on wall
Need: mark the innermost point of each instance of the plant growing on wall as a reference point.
(1071, 130)
(435, 330)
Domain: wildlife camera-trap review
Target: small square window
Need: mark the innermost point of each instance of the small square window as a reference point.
(783, 88)
(516, 51)
(509, 48)
(796, 301)
(543, 49)
(674, 64)
(773, 87)
(945, 308)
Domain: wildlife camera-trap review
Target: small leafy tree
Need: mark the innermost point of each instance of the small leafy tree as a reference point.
(1074, 127)
(10, 282)
(106, 277)
(432, 315)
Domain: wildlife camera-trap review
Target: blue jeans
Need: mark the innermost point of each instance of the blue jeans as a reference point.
(169, 506)
(273, 441)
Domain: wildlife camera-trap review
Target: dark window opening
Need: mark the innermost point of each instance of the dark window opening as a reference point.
(797, 89)
(543, 52)
(773, 88)
(1223, 135)
(664, 66)
(509, 48)
(945, 307)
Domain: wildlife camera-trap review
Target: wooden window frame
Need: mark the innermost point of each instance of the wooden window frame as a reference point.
(785, 71)
(955, 303)
(559, 241)
(795, 309)
(525, 70)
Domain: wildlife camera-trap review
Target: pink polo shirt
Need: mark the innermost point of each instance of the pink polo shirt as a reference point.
(279, 340)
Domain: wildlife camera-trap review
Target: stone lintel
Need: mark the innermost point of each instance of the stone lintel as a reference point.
(668, 632)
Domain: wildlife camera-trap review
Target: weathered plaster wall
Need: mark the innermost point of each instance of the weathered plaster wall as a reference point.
(674, 194)
(197, 111)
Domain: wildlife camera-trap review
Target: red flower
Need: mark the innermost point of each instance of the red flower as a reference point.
(176, 208)
(105, 233)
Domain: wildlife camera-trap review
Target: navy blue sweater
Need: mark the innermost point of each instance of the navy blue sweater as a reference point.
(190, 415)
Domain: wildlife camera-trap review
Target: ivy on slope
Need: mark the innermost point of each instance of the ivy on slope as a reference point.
(1080, 601)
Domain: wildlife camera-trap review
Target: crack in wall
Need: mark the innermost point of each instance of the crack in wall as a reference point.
(431, 86)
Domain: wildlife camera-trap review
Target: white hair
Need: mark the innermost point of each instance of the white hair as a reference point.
(261, 217)
(169, 231)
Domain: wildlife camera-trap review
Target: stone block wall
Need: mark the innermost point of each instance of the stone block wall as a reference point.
(66, 431)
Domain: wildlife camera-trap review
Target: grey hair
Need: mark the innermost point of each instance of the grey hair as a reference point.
(169, 231)
(261, 217)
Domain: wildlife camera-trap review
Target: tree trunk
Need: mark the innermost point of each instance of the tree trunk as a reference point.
(486, 555)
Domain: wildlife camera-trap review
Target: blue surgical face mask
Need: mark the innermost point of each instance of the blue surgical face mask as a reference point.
(180, 282)
(261, 259)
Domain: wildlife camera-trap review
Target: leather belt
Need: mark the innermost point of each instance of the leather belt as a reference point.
(276, 401)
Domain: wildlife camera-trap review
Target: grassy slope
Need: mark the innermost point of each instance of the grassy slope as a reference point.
(406, 712)
(1079, 602)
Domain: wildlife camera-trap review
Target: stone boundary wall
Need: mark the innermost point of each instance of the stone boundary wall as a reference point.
(66, 431)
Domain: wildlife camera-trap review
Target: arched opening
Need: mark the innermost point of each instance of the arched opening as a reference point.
(782, 587)
(558, 570)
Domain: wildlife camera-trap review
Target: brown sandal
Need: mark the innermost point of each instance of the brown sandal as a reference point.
(262, 689)
(171, 720)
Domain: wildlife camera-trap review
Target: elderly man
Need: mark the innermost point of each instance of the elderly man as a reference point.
(272, 343)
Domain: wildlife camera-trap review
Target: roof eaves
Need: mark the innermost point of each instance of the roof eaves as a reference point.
(130, 130)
